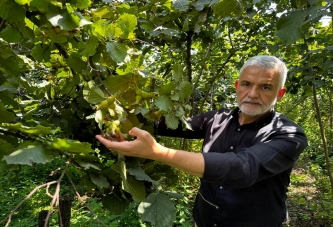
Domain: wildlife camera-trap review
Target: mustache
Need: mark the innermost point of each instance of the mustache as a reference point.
(248, 100)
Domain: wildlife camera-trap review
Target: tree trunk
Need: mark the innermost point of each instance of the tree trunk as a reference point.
(322, 133)
(64, 215)
(42, 218)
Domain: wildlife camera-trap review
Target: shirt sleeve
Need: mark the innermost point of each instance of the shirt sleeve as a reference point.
(265, 159)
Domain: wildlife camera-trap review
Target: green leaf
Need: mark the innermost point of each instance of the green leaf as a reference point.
(136, 188)
(166, 89)
(83, 4)
(5, 116)
(41, 5)
(87, 165)
(185, 89)
(102, 12)
(35, 131)
(181, 5)
(288, 27)
(117, 83)
(100, 28)
(10, 34)
(28, 153)
(160, 30)
(319, 83)
(94, 95)
(10, 66)
(63, 19)
(177, 72)
(88, 48)
(171, 121)
(99, 180)
(127, 24)
(115, 204)
(26, 30)
(113, 31)
(83, 20)
(163, 102)
(23, 2)
(139, 174)
(228, 8)
(5, 147)
(41, 52)
(12, 11)
(200, 5)
(158, 209)
(117, 51)
(72, 146)
(76, 63)
(129, 183)
(174, 195)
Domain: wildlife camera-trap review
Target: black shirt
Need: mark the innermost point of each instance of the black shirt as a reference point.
(247, 168)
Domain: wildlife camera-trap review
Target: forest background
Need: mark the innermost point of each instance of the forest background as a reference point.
(72, 69)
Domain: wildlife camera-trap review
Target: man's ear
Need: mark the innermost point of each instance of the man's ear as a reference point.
(281, 93)
(236, 84)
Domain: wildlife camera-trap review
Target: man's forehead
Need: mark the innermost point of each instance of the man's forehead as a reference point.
(253, 72)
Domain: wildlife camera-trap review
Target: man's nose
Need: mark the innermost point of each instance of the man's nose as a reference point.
(253, 93)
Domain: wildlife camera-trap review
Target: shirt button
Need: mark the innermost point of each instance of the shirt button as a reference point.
(221, 187)
(215, 224)
(231, 148)
(238, 129)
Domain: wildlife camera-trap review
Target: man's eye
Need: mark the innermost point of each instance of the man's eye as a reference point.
(266, 87)
(246, 84)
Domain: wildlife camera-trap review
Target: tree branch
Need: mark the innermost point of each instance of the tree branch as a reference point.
(9, 217)
(221, 69)
(56, 198)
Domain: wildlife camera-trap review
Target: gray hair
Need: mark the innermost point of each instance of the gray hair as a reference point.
(268, 62)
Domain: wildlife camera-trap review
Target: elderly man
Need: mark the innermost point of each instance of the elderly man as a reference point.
(247, 155)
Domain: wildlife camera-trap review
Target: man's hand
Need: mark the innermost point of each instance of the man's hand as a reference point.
(143, 146)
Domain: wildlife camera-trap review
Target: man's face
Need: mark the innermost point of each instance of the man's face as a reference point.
(258, 90)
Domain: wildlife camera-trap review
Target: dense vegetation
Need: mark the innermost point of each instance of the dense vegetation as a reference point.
(72, 69)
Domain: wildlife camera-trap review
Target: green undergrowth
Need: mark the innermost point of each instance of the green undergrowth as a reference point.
(16, 185)
(309, 199)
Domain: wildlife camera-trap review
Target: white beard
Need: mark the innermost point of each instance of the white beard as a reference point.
(253, 107)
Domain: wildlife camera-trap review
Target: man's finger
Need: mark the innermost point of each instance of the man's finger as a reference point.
(135, 132)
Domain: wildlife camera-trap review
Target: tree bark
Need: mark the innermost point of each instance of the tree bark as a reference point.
(64, 215)
(42, 218)
(322, 133)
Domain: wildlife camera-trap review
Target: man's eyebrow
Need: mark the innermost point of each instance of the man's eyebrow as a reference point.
(267, 84)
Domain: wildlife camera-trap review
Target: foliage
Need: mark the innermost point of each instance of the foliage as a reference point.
(24, 180)
(73, 69)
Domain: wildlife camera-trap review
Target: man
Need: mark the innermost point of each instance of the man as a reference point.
(247, 156)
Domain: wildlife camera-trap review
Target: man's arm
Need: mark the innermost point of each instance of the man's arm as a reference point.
(145, 146)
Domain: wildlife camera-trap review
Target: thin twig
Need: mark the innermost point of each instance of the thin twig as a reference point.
(47, 191)
(83, 202)
(55, 196)
(9, 217)
(98, 73)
